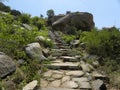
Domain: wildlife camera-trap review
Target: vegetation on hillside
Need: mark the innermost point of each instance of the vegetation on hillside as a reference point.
(13, 38)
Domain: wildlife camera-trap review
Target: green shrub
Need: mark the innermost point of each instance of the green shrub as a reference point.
(68, 38)
(4, 7)
(14, 39)
(104, 43)
(38, 22)
(25, 18)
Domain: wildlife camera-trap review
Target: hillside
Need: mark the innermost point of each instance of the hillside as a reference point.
(57, 53)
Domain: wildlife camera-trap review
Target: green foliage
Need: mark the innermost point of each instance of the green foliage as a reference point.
(15, 12)
(68, 38)
(30, 69)
(14, 39)
(38, 22)
(71, 30)
(4, 7)
(50, 13)
(25, 18)
(104, 43)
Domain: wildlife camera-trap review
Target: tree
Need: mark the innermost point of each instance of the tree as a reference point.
(50, 13)
(68, 12)
(41, 16)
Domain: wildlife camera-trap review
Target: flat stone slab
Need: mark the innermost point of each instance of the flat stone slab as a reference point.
(82, 79)
(31, 85)
(55, 83)
(64, 66)
(70, 84)
(69, 59)
(84, 85)
(57, 76)
(51, 88)
(77, 73)
(98, 75)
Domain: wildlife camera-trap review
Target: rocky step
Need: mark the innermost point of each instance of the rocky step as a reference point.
(64, 66)
(65, 52)
(70, 58)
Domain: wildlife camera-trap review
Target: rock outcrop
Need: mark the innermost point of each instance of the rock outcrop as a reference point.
(7, 66)
(80, 20)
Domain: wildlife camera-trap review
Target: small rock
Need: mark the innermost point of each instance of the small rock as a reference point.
(86, 67)
(27, 26)
(84, 85)
(31, 86)
(55, 83)
(98, 85)
(95, 63)
(40, 38)
(70, 84)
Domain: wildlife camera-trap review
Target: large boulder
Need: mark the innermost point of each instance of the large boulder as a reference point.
(79, 20)
(34, 51)
(7, 66)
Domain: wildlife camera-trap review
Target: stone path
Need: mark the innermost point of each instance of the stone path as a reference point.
(68, 71)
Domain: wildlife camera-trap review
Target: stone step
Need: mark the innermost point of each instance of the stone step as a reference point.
(70, 58)
(52, 88)
(60, 49)
(64, 66)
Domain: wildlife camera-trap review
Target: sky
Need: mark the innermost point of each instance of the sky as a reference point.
(105, 12)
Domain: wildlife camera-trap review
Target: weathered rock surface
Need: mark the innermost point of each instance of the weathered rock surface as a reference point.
(84, 85)
(27, 26)
(34, 51)
(7, 66)
(65, 78)
(55, 83)
(75, 73)
(70, 84)
(31, 86)
(80, 20)
(82, 79)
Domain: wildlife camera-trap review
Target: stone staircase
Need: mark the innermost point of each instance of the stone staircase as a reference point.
(69, 71)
